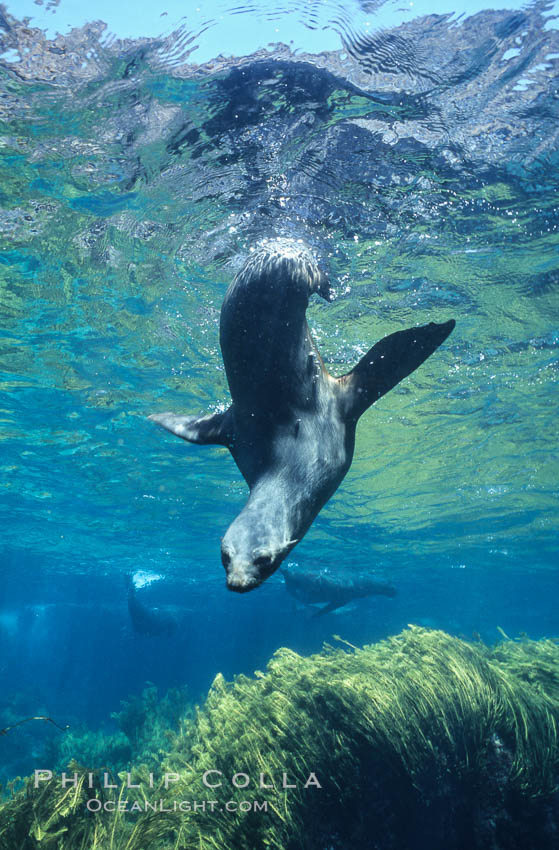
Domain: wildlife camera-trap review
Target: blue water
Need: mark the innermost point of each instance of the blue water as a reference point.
(418, 158)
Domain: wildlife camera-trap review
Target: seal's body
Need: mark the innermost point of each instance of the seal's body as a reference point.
(291, 426)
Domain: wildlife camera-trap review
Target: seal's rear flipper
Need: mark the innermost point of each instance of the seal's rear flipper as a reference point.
(388, 362)
(323, 287)
(331, 606)
(206, 430)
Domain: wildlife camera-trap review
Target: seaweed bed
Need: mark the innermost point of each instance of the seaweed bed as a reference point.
(419, 741)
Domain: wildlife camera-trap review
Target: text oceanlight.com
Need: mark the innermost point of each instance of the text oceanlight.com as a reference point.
(187, 806)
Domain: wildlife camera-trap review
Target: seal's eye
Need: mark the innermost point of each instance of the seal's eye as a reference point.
(263, 561)
(225, 558)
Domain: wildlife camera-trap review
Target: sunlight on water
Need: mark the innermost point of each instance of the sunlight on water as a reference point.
(231, 28)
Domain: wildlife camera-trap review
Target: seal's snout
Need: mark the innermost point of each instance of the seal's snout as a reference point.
(247, 572)
(242, 576)
(242, 582)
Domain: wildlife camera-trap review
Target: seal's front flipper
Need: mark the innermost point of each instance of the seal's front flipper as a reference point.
(388, 362)
(205, 430)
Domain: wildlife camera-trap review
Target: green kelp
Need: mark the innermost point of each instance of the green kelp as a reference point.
(421, 740)
(150, 722)
(147, 723)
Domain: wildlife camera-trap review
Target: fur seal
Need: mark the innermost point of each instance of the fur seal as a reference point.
(291, 425)
(335, 590)
(150, 622)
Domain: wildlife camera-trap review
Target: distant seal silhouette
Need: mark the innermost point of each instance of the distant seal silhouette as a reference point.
(336, 590)
(291, 425)
(147, 621)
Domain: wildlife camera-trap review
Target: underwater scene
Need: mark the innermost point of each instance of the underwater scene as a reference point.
(279, 503)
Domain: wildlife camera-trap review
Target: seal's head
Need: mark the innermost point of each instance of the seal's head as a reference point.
(247, 562)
